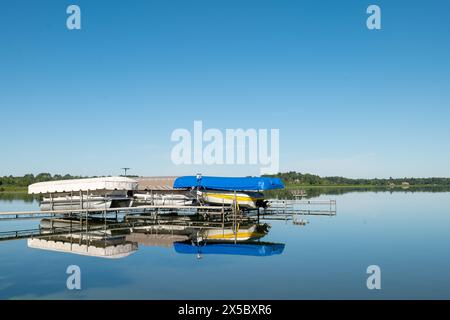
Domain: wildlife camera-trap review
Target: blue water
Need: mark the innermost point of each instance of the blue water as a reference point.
(406, 234)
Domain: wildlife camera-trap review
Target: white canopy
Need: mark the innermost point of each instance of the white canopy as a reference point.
(92, 184)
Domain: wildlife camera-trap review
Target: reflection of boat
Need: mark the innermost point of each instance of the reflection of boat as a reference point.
(244, 232)
(249, 200)
(95, 193)
(161, 199)
(51, 223)
(261, 249)
(206, 231)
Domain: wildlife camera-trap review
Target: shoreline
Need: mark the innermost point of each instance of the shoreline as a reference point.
(358, 186)
(24, 190)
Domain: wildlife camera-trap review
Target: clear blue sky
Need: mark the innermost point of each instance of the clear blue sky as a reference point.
(348, 101)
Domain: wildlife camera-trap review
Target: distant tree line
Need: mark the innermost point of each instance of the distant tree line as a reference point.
(289, 178)
(297, 178)
(26, 180)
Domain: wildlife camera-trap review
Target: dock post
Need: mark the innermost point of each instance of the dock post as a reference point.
(70, 217)
(104, 226)
(235, 216)
(87, 231)
(223, 217)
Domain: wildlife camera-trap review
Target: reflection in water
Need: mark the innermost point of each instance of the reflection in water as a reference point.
(14, 196)
(393, 231)
(118, 234)
(118, 239)
(316, 191)
(155, 240)
(108, 248)
(245, 248)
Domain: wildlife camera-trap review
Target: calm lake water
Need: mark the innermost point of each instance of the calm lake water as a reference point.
(406, 234)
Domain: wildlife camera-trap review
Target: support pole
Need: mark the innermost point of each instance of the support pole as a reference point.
(223, 217)
(235, 216)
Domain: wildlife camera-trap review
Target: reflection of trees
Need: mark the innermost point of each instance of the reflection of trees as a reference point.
(17, 196)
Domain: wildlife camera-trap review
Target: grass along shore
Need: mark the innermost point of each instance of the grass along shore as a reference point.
(13, 189)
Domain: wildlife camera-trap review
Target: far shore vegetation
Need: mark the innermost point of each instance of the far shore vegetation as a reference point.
(10, 184)
(309, 185)
(293, 181)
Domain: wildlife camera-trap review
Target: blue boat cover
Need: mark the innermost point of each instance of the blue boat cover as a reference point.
(227, 183)
(243, 249)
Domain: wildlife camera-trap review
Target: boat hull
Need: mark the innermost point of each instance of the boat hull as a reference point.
(247, 200)
(162, 200)
(85, 202)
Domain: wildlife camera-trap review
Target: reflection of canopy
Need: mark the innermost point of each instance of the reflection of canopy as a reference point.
(155, 240)
(228, 183)
(99, 249)
(261, 249)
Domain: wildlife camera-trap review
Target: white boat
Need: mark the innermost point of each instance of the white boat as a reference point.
(245, 199)
(91, 201)
(93, 193)
(158, 199)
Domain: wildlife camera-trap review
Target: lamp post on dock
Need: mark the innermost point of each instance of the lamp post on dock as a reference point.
(125, 171)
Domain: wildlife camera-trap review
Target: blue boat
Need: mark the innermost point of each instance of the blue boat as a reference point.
(228, 190)
(257, 249)
(228, 183)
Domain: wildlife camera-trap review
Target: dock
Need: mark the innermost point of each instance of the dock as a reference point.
(88, 224)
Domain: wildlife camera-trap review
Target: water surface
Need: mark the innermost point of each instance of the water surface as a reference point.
(405, 233)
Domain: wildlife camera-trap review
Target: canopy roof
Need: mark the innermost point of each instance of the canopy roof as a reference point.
(92, 184)
(228, 183)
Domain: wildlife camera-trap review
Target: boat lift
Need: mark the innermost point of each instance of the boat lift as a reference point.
(151, 217)
(228, 215)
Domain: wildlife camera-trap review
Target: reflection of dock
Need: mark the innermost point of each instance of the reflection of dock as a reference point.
(200, 222)
(301, 207)
(114, 233)
(120, 239)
